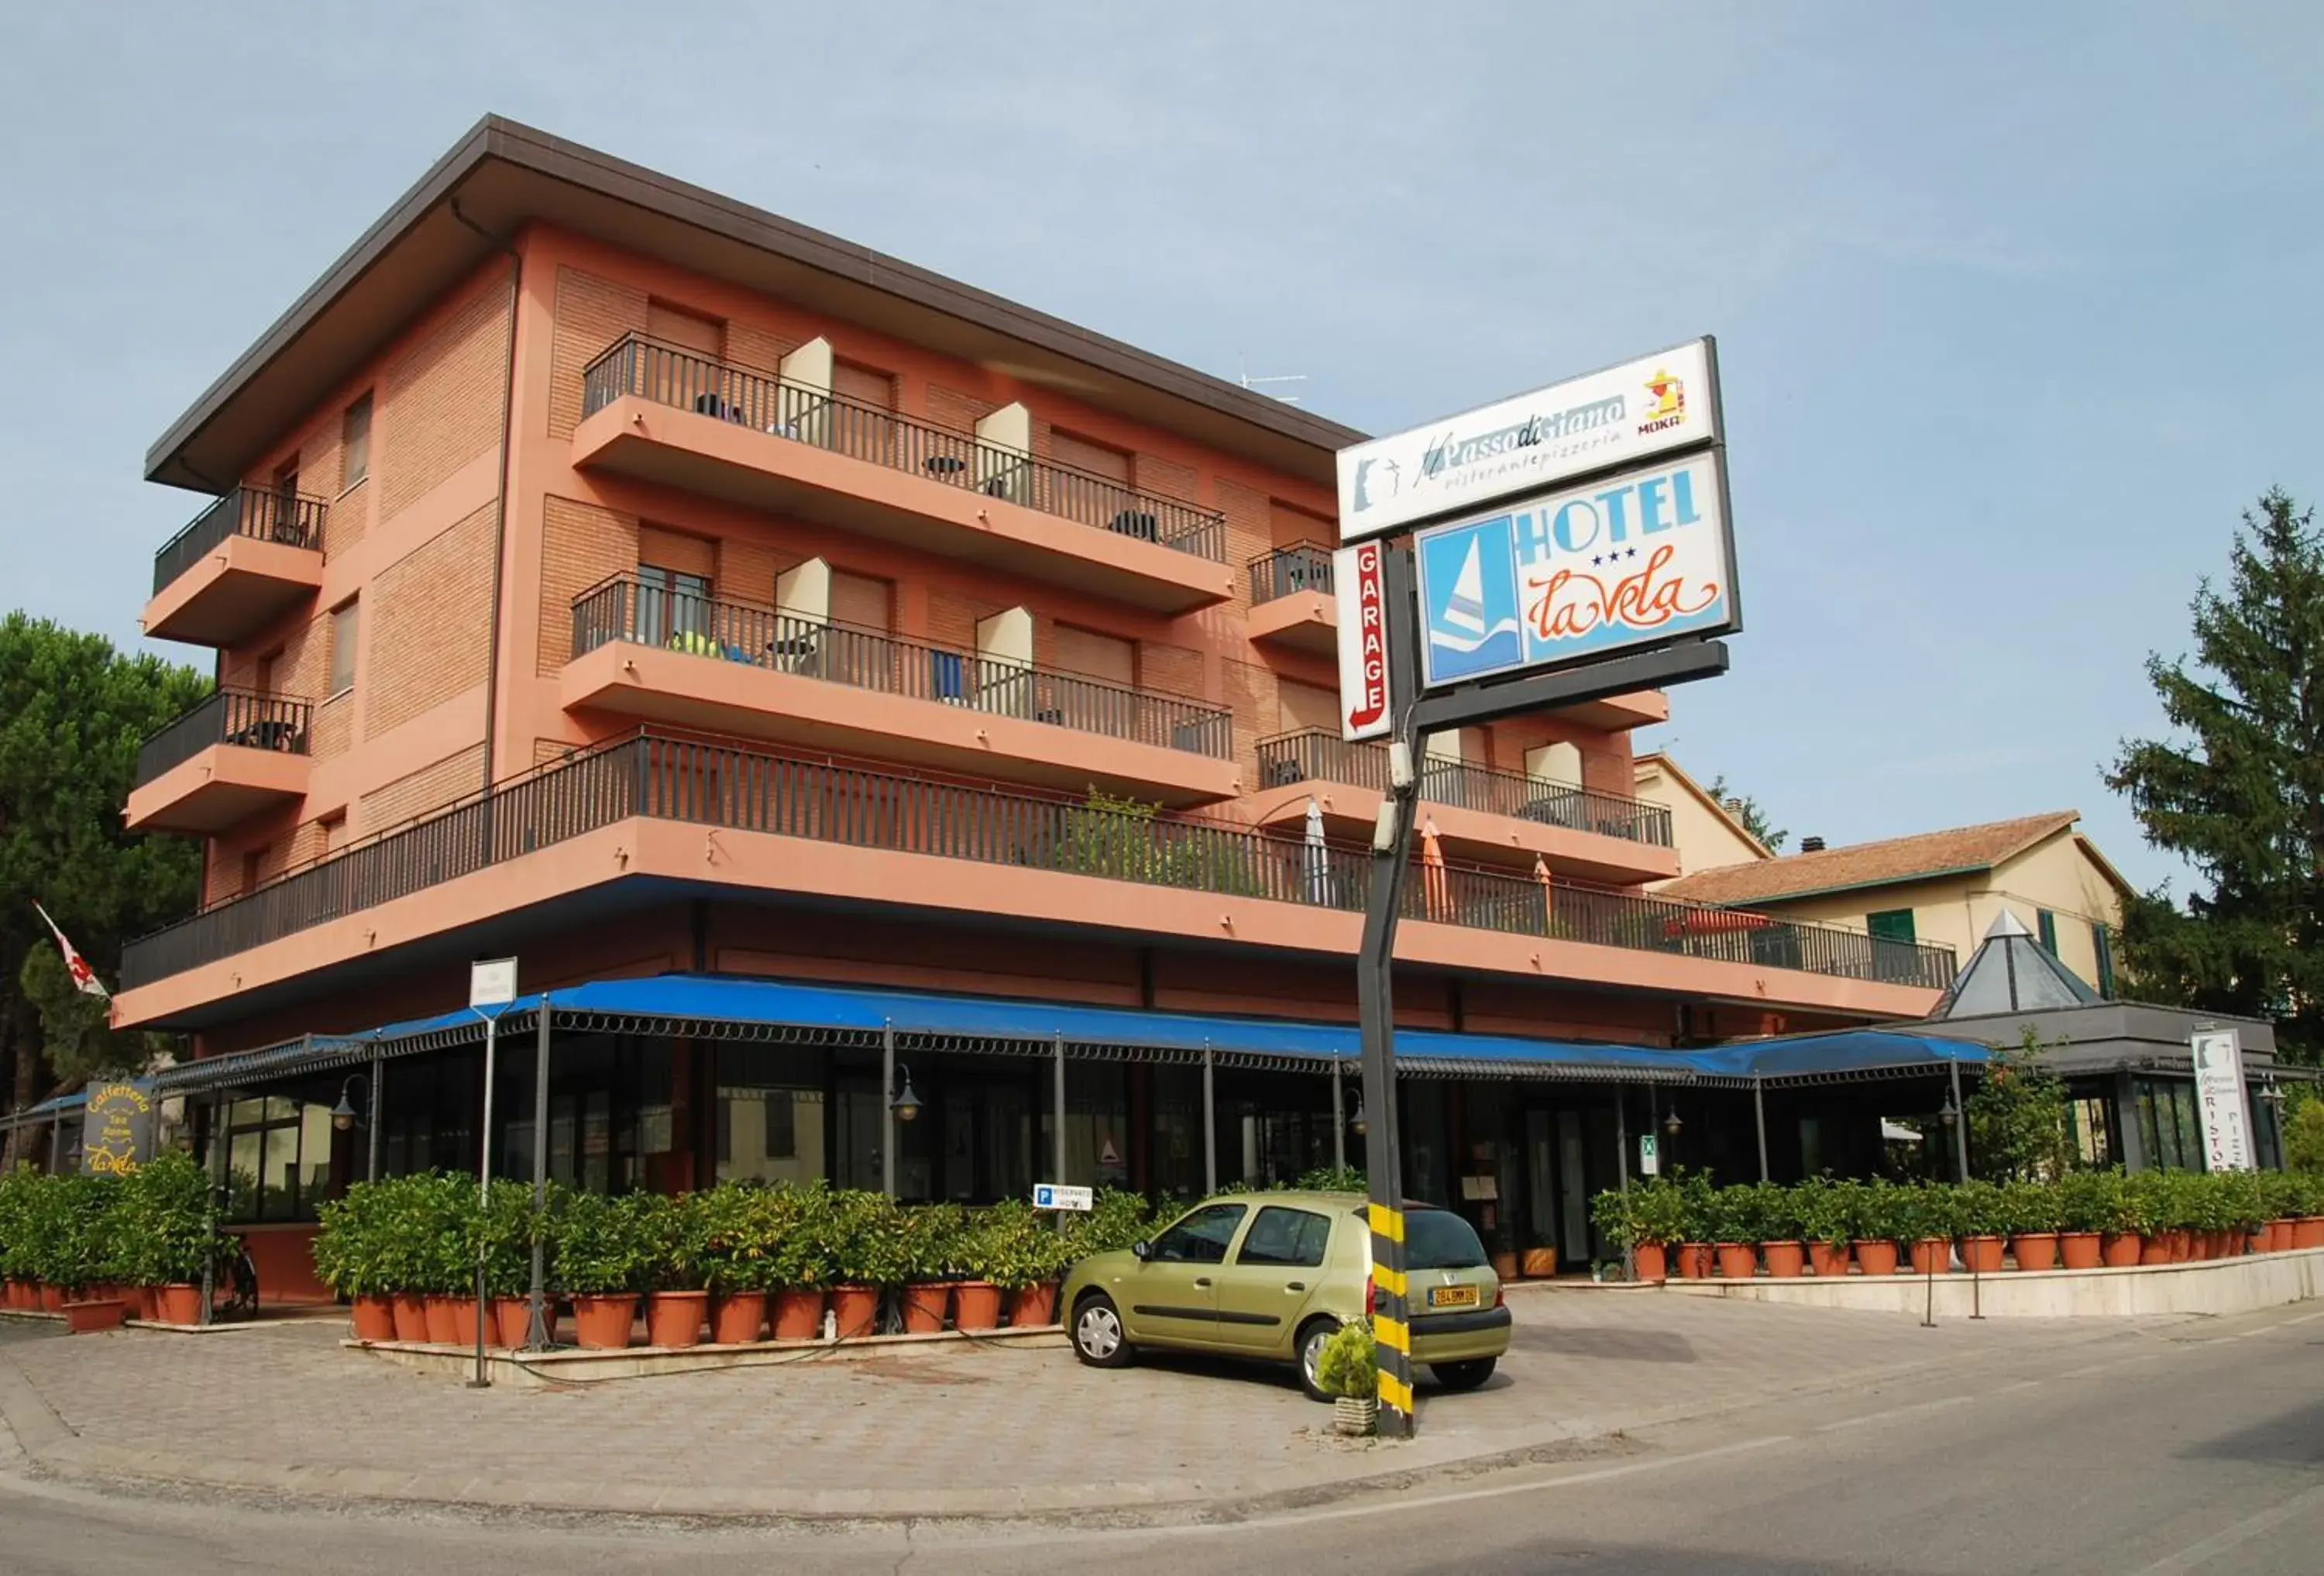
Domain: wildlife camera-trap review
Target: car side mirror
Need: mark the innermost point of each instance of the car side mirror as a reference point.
(1138, 1250)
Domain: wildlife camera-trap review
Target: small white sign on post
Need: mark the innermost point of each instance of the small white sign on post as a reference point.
(2218, 1055)
(492, 982)
(1650, 1156)
(1051, 1195)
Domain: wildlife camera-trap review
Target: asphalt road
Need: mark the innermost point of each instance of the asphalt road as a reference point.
(2196, 1449)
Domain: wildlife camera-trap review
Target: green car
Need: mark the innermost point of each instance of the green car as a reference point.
(1271, 1275)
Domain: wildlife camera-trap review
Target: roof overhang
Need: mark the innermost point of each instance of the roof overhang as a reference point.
(502, 176)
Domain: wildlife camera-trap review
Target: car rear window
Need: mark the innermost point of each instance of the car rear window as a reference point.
(1440, 1240)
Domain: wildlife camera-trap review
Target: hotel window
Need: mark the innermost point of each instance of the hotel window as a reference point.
(684, 330)
(863, 386)
(345, 626)
(2046, 924)
(355, 443)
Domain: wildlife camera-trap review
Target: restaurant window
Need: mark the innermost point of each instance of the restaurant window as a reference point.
(355, 443)
(769, 1114)
(344, 628)
(278, 1157)
(2088, 1125)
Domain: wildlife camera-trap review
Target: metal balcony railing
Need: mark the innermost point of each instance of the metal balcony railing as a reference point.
(1306, 567)
(636, 365)
(719, 783)
(627, 609)
(1319, 755)
(253, 512)
(231, 716)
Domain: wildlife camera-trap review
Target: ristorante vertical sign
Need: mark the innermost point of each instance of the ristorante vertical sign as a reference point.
(2218, 1059)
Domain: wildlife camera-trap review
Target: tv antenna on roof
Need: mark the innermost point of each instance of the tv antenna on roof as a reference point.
(1252, 383)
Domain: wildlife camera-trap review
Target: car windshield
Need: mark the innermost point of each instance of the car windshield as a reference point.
(1440, 1240)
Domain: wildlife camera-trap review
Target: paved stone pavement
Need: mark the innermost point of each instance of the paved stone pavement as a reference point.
(955, 1431)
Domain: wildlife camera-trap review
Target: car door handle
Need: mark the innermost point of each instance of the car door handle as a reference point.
(1295, 1286)
(1202, 1280)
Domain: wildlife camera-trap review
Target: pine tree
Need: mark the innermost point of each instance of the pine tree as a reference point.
(2239, 792)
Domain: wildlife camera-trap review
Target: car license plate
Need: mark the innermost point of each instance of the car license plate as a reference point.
(1452, 1296)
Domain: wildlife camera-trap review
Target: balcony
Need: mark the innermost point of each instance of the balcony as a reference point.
(1479, 812)
(676, 419)
(247, 558)
(640, 651)
(1291, 599)
(1278, 882)
(232, 756)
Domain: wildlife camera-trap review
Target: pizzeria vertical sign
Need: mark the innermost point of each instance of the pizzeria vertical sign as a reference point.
(116, 1134)
(2218, 1057)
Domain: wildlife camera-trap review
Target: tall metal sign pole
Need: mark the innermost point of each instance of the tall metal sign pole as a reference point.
(1563, 545)
(491, 987)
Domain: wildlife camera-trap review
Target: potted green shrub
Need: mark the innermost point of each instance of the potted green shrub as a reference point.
(990, 1245)
(734, 1225)
(1615, 1214)
(1825, 1211)
(1877, 1219)
(1782, 1227)
(508, 1224)
(931, 1266)
(351, 1258)
(2128, 1221)
(1348, 1370)
(178, 1233)
(2085, 1211)
(2031, 1212)
(602, 1263)
(18, 1289)
(1732, 1224)
(1028, 1255)
(806, 1225)
(1699, 1224)
(1926, 1220)
(678, 1303)
(2308, 1199)
(1981, 1225)
(869, 1256)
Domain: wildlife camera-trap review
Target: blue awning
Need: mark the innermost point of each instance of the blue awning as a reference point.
(752, 1009)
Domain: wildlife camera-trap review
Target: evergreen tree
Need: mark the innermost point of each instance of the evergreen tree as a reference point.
(1746, 809)
(2238, 791)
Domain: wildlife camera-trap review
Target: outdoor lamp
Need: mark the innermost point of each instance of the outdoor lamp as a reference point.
(906, 1104)
(1671, 1124)
(342, 1115)
(1359, 1124)
(2270, 1093)
(1950, 1113)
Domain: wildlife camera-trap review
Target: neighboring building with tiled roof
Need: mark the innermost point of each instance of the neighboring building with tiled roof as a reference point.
(1946, 887)
(1706, 832)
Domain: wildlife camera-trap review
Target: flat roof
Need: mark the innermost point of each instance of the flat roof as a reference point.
(503, 175)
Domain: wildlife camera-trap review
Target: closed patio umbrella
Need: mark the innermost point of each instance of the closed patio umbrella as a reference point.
(1548, 892)
(1436, 884)
(1316, 860)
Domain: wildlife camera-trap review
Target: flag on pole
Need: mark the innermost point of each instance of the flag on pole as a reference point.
(83, 977)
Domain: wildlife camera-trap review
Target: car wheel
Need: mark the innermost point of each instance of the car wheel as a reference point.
(1463, 1375)
(1311, 1341)
(1098, 1340)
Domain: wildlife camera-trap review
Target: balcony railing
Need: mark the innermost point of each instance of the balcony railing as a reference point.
(626, 609)
(1319, 755)
(665, 375)
(726, 784)
(231, 716)
(1287, 571)
(252, 512)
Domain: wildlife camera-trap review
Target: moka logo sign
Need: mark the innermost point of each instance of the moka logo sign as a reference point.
(1585, 426)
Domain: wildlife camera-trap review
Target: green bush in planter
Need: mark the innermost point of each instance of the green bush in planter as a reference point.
(1348, 1364)
(1977, 1209)
(2030, 1207)
(933, 1241)
(1659, 1211)
(1014, 1246)
(351, 1243)
(1615, 1215)
(808, 1228)
(176, 1219)
(1825, 1210)
(1699, 1206)
(733, 1230)
(505, 1228)
(602, 1245)
(2087, 1200)
(1117, 1219)
(870, 1242)
(1776, 1214)
(16, 1214)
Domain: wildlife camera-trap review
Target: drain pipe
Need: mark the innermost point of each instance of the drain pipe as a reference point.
(499, 512)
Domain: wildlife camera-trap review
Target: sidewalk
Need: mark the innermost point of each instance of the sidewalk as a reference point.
(962, 1431)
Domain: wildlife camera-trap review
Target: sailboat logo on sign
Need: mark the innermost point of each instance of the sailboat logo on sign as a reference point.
(1472, 624)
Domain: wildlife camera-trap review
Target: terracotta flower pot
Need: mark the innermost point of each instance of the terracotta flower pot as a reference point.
(1738, 1260)
(409, 1311)
(602, 1323)
(373, 1318)
(797, 1314)
(2307, 1231)
(2035, 1250)
(1651, 1261)
(2281, 1235)
(2119, 1249)
(52, 1299)
(1540, 1263)
(1505, 1264)
(12, 1294)
(512, 1319)
(463, 1314)
(1876, 1255)
(1982, 1255)
(1826, 1258)
(855, 1311)
(676, 1318)
(2154, 1248)
(976, 1305)
(1029, 1306)
(1694, 1261)
(142, 1301)
(182, 1304)
(91, 1315)
(2081, 1250)
(737, 1317)
(1932, 1255)
(924, 1306)
(2182, 1244)
(1785, 1260)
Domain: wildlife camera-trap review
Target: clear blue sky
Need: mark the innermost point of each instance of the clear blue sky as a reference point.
(2015, 317)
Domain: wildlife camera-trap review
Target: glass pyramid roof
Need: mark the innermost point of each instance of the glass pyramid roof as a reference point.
(2011, 973)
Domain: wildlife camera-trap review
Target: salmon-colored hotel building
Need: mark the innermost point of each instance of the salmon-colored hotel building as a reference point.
(800, 662)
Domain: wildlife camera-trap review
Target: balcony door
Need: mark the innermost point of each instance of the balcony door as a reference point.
(863, 613)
